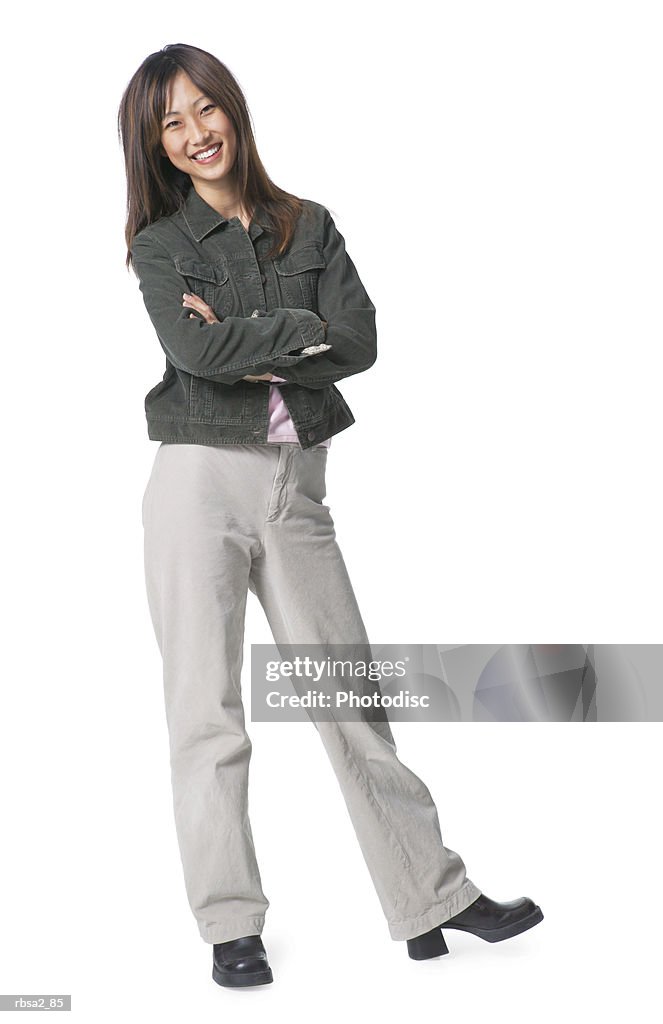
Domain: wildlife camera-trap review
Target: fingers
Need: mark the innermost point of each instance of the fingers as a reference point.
(195, 302)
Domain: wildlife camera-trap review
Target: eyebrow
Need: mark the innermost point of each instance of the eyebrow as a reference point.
(171, 112)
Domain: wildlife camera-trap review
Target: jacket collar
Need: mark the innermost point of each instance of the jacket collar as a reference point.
(201, 218)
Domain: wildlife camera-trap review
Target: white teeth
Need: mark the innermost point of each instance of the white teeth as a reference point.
(208, 152)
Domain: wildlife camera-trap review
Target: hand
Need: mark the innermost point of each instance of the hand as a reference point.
(194, 302)
(210, 317)
(309, 351)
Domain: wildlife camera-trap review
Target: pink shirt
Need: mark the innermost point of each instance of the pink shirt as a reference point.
(281, 429)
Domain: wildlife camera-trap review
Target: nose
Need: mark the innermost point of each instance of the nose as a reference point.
(198, 137)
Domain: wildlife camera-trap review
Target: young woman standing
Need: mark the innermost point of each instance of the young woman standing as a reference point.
(259, 311)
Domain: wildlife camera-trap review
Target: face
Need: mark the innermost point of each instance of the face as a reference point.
(194, 124)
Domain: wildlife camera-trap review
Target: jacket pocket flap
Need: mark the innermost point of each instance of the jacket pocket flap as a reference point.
(304, 257)
(189, 266)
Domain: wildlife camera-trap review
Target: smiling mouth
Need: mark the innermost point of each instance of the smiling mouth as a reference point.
(208, 154)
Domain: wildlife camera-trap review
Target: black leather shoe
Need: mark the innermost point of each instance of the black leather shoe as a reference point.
(240, 962)
(485, 918)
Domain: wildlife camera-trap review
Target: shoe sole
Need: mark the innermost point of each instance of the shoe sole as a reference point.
(498, 934)
(242, 980)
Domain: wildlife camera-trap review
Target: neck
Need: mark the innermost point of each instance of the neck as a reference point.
(222, 197)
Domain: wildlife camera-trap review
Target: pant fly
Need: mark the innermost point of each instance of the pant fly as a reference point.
(279, 488)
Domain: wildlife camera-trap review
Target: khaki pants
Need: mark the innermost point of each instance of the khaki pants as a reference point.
(220, 520)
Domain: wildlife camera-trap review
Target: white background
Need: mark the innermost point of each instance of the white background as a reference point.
(495, 169)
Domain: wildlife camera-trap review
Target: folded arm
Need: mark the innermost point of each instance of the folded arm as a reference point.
(350, 315)
(226, 350)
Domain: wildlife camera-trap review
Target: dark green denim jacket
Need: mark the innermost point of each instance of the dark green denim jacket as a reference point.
(270, 312)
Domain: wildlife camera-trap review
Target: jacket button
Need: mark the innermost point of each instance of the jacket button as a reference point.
(256, 312)
(310, 435)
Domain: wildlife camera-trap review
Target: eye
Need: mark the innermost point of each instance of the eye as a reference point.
(208, 106)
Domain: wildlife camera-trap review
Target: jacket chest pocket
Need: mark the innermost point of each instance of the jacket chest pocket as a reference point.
(209, 281)
(298, 272)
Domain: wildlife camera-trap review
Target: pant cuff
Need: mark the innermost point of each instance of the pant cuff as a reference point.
(409, 928)
(235, 928)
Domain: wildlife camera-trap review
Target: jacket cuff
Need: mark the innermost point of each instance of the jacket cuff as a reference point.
(310, 326)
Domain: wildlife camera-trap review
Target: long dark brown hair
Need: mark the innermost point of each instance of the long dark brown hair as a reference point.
(155, 187)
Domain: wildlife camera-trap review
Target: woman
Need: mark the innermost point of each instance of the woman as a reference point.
(259, 311)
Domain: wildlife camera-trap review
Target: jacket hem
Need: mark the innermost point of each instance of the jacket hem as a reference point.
(182, 433)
